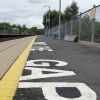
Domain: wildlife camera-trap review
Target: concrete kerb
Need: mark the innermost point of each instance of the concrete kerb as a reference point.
(9, 82)
(15, 52)
(97, 45)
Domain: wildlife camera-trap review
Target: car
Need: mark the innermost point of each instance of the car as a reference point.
(55, 35)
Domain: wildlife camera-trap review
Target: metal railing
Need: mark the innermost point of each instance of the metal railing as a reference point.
(86, 26)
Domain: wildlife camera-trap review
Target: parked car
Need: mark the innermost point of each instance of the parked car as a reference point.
(55, 35)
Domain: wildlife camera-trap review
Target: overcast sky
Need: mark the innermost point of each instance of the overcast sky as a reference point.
(30, 12)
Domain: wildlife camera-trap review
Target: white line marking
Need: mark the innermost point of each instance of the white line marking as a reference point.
(41, 48)
(40, 43)
(45, 63)
(49, 90)
(37, 73)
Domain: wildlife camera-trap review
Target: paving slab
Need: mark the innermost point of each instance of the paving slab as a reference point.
(9, 82)
(9, 51)
(93, 44)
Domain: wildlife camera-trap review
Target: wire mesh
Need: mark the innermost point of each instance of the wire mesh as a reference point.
(97, 25)
(86, 27)
(75, 27)
(83, 25)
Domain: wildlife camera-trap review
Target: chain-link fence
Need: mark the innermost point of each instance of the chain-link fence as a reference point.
(86, 26)
(97, 25)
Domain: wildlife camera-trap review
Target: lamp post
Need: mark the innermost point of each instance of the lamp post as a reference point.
(4, 25)
(49, 16)
(59, 19)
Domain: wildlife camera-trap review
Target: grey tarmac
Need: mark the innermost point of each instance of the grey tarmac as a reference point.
(83, 61)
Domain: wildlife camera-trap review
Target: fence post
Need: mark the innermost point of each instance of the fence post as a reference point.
(65, 28)
(71, 26)
(92, 35)
(80, 27)
(4, 25)
(93, 21)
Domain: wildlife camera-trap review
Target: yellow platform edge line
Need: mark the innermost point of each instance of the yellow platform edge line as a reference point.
(9, 83)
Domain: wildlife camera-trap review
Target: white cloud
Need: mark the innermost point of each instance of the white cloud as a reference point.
(37, 1)
(30, 22)
(15, 10)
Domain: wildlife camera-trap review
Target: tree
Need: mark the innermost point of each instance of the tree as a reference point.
(14, 26)
(74, 9)
(35, 31)
(54, 18)
(67, 14)
(20, 28)
(24, 28)
(71, 11)
(86, 26)
(5, 26)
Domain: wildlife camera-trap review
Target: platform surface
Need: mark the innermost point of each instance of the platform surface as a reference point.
(60, 70)
(9, 51)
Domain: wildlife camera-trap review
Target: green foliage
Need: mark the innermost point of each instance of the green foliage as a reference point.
(36, 31)
(54, 17)
(74, 9)
(97, 31)
(70, 12)
(97, 27)
(67, 14)
(22, 29)
(86, 28)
